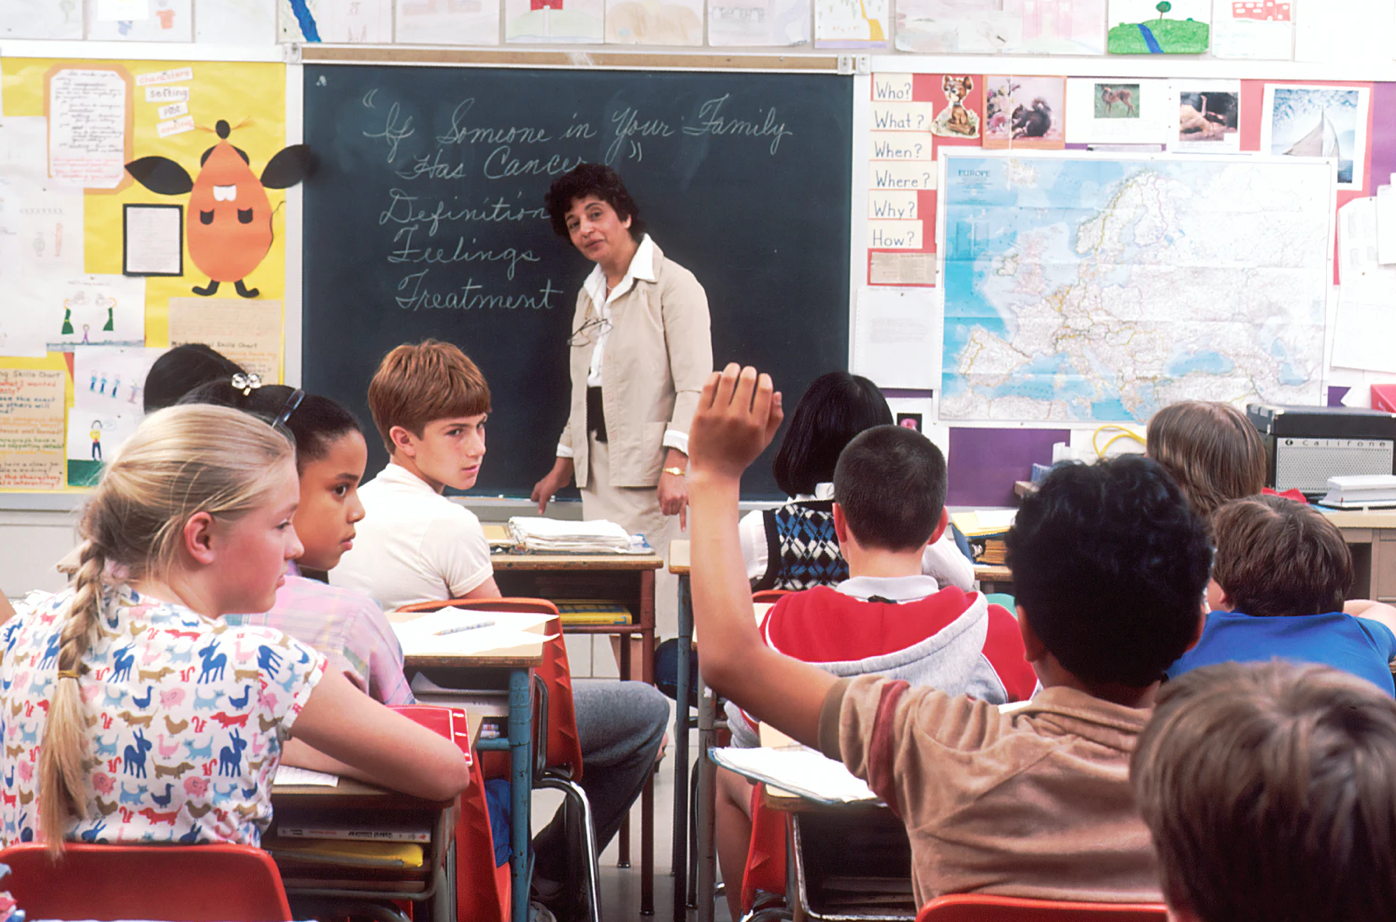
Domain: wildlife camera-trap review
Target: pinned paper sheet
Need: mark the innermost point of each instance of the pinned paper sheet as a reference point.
(957, 26)
(110, 380)
(440, 24)
(757, 22)
(93, 440)
(1258, 29)
(897, 335)
(154, 240)
(31, 425)
(1209, 116)
(248, 331)
(581, 22)
(1118, 111)
(89, 127)
(96, 310)
(1386, 224)
(42, 19)
(1366, 324)
(163, 21)
(236, 22)
(654, 22)
(1318, 121)
(1347, 31)
(844, 23)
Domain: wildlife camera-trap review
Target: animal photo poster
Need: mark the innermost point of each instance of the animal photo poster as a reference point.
(1024, 112)
(1117, 111)
(1209, 116)
(958, 107)
(1159, 26)
(1318, 121)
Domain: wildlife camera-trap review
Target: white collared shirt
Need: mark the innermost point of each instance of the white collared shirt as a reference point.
(413, 545)
(642, 268)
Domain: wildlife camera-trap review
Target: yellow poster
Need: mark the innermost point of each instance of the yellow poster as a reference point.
(165, 172)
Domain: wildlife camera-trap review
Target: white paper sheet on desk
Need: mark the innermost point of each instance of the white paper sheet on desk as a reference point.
(797, 770)
(287, 775)
(499, 631)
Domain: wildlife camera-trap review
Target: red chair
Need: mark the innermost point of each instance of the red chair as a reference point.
(974, 907)
(234, 882)
(766, 859)
(559, 765)
(768, 596)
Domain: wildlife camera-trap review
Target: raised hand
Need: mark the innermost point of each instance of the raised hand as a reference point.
(738, 414)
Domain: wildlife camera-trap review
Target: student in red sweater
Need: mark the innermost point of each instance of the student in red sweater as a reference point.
(887, 618)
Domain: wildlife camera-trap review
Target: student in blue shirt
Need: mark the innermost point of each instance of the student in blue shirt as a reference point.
(1279, 580)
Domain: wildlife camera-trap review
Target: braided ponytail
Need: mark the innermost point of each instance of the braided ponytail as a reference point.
(61, 772)
(181, 461)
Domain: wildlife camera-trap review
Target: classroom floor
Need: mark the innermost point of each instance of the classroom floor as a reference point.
(620, 887)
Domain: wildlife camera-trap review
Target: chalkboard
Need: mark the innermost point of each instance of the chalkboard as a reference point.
(426, 218)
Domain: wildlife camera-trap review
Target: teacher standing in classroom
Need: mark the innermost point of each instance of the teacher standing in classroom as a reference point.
(641, 348)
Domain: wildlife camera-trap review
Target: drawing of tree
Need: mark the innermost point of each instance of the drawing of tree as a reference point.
(1162, 8)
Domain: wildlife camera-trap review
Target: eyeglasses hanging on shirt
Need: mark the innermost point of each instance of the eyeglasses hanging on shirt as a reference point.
(589, 332)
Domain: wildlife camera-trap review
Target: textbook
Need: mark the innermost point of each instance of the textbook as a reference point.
(798, 770)
(592, 613)
(358, 833)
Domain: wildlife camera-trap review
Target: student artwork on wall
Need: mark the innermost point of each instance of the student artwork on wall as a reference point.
(1162, 27)
(108, 403)
(236, 22)
(571, 21)
(146, 21)
(1058, 26)
(43, 19)
(232, 229)
(447, 22)
(956, 27)
(758, 22)
(339, 21)
(1024, 112)
(95, 309)
(850, 23)
(1262, 29)
(1318, 121)
(654, 22)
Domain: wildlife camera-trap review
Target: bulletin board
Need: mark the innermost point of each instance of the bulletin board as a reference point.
(103, 264)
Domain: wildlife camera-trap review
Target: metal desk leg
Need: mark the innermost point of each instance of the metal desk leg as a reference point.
(707, 801)
(681, 722)
(520, 787)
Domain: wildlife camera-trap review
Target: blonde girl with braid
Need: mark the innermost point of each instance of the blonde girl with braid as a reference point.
(130, 712)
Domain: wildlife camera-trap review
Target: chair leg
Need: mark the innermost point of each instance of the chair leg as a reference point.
(577, 796)
(692, 902)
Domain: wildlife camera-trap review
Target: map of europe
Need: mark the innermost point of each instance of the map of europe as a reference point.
(1081, 288)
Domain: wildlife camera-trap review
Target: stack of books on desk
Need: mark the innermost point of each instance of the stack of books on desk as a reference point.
(599, 536)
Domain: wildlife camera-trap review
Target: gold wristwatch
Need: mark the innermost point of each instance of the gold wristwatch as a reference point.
(676, 471)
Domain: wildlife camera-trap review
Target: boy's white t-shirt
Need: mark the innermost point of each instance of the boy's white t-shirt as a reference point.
(413, 545)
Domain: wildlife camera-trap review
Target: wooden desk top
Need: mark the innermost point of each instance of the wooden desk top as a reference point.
(994, 573)
(679, 557)
(509, 560)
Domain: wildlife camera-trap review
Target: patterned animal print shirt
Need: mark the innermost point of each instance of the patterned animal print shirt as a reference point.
(185, 720)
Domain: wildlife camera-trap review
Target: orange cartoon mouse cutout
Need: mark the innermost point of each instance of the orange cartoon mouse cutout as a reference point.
(229, 221)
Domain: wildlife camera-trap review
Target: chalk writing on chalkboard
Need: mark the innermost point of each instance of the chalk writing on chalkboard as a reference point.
(431, 228)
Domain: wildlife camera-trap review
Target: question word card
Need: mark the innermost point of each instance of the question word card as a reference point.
(902, 116)
(892, 175)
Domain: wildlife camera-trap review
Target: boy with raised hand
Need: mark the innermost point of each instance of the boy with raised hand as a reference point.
(1109, 563)
(1281, 573)
(1268, 791)
(888, 617)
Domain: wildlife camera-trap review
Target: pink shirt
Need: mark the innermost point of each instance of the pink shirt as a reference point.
(346, 626)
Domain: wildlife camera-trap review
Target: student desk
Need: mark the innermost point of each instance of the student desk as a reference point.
(432, 886)
(624, 578)
(511, 669)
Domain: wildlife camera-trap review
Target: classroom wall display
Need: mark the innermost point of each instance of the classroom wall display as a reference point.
(32, 396)
(426, 219)
(758, 22)
(1024, 112)
(141, 21)
(861, 24)
(80, 222)
(580, 22)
